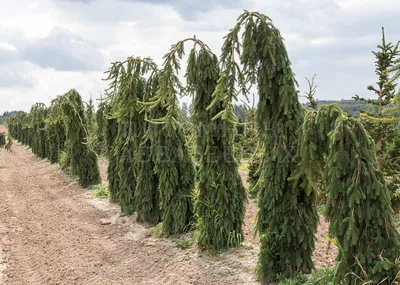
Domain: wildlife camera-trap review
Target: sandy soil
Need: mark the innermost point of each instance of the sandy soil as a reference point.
(53, 232)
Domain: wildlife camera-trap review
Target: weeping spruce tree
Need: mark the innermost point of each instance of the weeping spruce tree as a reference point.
(55, 131)
(110, 136)
(38, 115)
(313, 147)
(126, 91)
(133, 183)
(147, 196)
(358, 207)
(172, 161)
(100, 128)
(219, 205)
(287, 217)
(83, 159)
(5, 141)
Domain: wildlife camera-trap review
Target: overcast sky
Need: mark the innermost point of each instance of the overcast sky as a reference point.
(50, 46)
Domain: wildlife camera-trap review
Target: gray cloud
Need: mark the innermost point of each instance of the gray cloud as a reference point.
(188, 9)
(12, 76)
(332, 38)
(62, 50)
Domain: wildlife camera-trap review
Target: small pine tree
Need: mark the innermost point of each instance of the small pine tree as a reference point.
(358, 207)
(90, 116)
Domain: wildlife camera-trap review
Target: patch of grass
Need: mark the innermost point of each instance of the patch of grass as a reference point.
(157, 231)
(1, 166)
(100, 191)
(244, 167)
(322, 276)
(321, 209)
(182, 244)
(69, 179)
(297, 280)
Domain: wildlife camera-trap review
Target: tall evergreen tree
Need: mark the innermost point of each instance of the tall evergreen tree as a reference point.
(172, 161)
(55, 131)
(83, 159)
(127, 89)
(132, 181)
(147, 196)
(380, 125)
(100, 128)
(110, 136)
(287, 217)
(38, 116)
(358, 207)
(219, 204)
(90, 115)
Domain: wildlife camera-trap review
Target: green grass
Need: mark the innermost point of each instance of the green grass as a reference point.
(182, 244)
(322, 276)
(157, 231)
(100, 191)
(244, 167)
(1, 166)
(321, 209)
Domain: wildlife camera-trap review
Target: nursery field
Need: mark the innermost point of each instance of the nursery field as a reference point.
(52, 231)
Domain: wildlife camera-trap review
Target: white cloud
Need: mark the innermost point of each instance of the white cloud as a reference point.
(7, 47)
(324, 41)
(50, 46)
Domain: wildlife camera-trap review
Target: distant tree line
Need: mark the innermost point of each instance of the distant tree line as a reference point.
(6, 114)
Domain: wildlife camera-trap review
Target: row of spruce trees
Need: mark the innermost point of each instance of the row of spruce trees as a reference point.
(59, 133)
(151, 170)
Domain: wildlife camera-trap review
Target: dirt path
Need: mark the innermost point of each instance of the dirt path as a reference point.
(53, 232)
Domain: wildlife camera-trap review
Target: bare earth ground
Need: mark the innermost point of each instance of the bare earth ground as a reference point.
(53, 232)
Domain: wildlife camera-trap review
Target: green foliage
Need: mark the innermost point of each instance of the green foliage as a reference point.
(65, 161)
(287, 217)
(172, 162)
(5, 141)
(385, 61)
(220, 200)
(83, 159)
(90, 116)
(132, 181)
(358, 206)
(313, 148)
(38, 115)
(175, 171)
(146, 195)
(254, 172)
(182, 244)
(111, 133)
(55, 131)
(100, 191)
(101, 147)
(323, 276)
